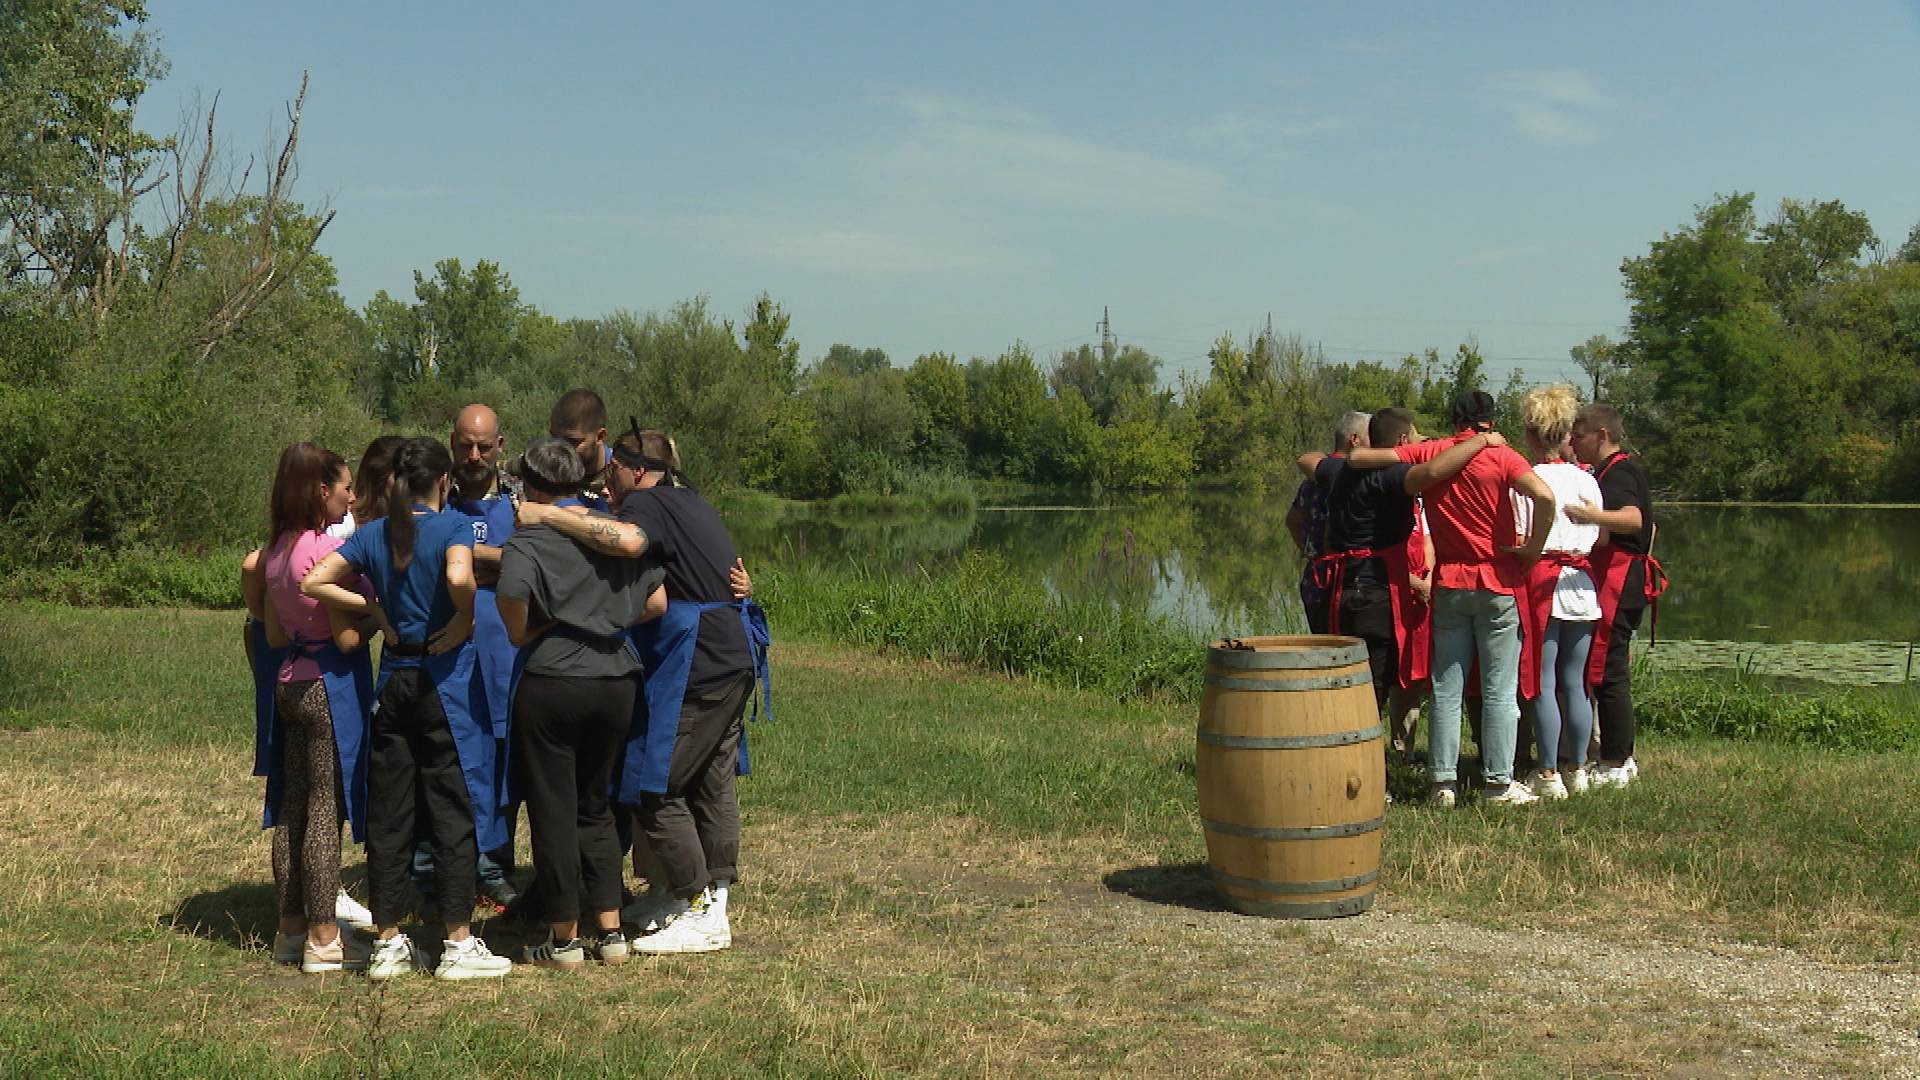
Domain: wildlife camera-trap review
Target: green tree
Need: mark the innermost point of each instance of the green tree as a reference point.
(851, 361)
(1104, 378)
(1807, 247)
(462, 326)
(1008, 398)
(1910, 250)
(72, 162)
(943, 410)
(1598, 357)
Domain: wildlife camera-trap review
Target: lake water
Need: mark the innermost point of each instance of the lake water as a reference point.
(1225, 564)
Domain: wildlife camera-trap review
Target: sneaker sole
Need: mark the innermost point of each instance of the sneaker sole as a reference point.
(460, 974)
(615, 959)
(678, 949)
(560, 965)
(321, 969)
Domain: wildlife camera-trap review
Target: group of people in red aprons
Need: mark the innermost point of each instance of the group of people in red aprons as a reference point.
(1473, 575)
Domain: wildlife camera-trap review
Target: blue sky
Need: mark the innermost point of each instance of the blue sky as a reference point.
(1378, 177)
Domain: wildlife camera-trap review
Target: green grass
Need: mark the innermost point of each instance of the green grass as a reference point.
(946, 873)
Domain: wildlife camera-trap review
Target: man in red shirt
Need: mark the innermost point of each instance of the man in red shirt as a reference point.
(1477, 572)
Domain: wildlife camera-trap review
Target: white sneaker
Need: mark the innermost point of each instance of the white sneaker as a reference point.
(348, 951)
(1441, 797)
(470, 959)
(1611, 776)
(652, 910)
(350, 911)
(1548, 786)
(1632, 769)
(702, 928)
(1576, 781)
(287, 948)
(392, 958)
(1513, 794)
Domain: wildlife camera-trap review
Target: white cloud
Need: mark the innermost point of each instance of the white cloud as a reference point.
(1551, 104)
(955, 151)
(850, 246)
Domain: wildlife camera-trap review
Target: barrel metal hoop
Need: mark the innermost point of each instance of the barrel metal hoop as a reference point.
(1316, 682)
(1324, 909)
(1327, 656)
(1283, 888)
(1302, 832)
(1290, 742)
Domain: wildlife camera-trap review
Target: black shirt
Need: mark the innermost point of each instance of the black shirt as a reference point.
(1624, 483)
(1366, 508)
(692, 543)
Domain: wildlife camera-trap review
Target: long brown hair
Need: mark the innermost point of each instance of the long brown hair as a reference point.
(370, 486)
(296, 505)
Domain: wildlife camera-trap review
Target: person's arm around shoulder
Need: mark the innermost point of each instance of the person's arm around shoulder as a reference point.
(606, 535)
(1309, 462)
(1528, 483)
(1447, 463)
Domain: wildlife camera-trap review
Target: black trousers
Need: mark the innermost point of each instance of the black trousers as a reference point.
(413, 768)
(1366, 612)
(1613, 700)
(567, 736)
(694, 828)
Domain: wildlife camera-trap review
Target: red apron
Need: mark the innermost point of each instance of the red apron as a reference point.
(1610, 566)
(1412, 620)
(1412, 617)
(1535, 600)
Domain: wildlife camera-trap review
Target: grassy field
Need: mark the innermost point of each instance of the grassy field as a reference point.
(954, 873)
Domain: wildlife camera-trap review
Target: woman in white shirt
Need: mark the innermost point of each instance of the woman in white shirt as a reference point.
(1564, 606)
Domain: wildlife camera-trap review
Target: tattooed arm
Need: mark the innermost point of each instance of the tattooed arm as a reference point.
(609, 536)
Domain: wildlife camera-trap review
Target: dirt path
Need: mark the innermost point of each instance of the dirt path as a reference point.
(1646, 1008)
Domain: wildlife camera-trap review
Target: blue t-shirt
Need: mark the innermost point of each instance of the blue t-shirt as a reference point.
(416, 601)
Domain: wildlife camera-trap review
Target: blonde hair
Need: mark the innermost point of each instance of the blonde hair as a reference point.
(1549, 412)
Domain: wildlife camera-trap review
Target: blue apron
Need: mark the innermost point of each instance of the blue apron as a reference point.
(348, 678)
(451, 674)
(494, 667)
(266, 662)
(666, 647)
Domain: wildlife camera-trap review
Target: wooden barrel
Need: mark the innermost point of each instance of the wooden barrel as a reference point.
(1292, 775)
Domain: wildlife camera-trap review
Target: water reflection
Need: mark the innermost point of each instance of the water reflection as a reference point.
(1224, 563)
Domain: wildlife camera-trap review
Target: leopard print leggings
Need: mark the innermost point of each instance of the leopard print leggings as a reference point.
(306, 844)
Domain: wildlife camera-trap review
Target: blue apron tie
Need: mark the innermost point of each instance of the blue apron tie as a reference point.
(451, 674)
(666, 648)
(348, 678)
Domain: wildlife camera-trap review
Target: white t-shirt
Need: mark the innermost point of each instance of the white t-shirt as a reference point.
(1574, 598)
(343, 528)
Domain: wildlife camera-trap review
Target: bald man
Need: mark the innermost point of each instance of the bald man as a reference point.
(478, 493)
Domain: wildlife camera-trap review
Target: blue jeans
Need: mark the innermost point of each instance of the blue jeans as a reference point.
(1563, 666)
(1466, 620)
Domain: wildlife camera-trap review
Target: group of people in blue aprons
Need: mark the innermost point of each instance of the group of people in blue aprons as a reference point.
(572, 632)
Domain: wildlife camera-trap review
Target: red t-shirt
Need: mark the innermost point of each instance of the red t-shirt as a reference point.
(1470, 515)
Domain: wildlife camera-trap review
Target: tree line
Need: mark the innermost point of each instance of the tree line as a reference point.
(169, 319)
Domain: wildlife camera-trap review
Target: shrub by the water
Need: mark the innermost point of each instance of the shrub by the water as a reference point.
(1736, 705)
(982, 614)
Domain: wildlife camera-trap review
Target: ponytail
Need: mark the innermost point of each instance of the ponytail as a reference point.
(417, 470)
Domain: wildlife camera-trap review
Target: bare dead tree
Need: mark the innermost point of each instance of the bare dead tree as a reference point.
(271, 264)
